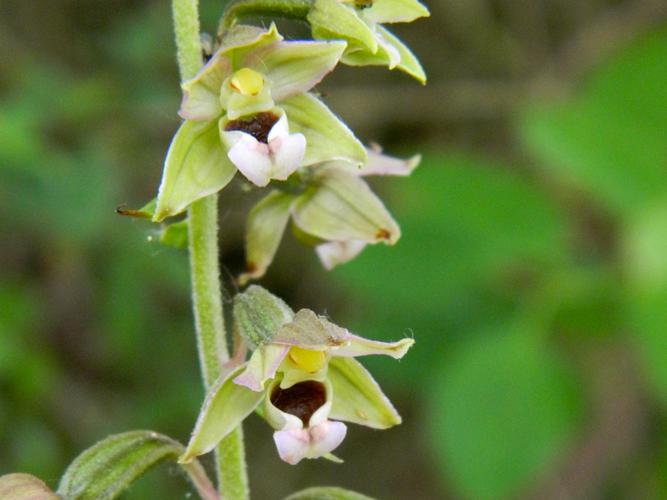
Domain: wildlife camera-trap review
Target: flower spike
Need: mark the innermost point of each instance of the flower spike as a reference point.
(303, 372)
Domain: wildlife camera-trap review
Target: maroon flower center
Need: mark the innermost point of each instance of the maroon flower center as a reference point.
(258, 125)
(301, 400)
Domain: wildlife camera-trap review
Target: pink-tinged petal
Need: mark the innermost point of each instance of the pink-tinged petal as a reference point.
(292, 445)
(326, 437)
(359, 346)
(296, 444)
(381, 164)
(262, 366)
(287, 155)
(334, 253)
(251, 157)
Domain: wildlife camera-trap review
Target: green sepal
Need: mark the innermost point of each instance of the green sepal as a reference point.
(407, 61)
(294, 67)
(395, 11)
(20, 486)
(327, 137)
(332, 19)
(175, 235)
(339, 206)
(327, 493)
(106, 469)
(358, 397)
(225, 407)
(196, 166)
(310, 331)
(264, 229)
(258, 315)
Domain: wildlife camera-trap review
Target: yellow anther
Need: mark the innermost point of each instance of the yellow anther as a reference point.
(247, 81)
(307, 360)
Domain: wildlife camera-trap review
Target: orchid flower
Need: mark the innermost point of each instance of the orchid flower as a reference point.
(335, 211)
(248, 109)
(359, 22)
(303, 374)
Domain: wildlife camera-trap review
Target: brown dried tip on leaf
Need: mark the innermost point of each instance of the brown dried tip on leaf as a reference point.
(250, 267)
(383, 234)
(257, 126)
(129, 212)
(301, 400)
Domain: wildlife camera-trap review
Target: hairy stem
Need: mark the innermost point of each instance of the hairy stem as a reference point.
(286, 9)
(205, 272)
(200, 480)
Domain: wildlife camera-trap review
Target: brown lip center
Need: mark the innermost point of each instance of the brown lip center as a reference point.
(258, 125)
(301, 400)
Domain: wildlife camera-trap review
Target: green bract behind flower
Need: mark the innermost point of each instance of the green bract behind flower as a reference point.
(336, 212)
(359, 23)
(248, 109)
(303, 371)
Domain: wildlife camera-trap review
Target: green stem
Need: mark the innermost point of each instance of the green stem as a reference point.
(205, 272)
(286, 9)
(206, 296)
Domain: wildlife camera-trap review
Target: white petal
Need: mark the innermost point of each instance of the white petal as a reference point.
(334, 253)
(325, 438)
(251, 157)
(296, 444)
(279, 129)
(322, 413)
(287, 155)
(292, 444)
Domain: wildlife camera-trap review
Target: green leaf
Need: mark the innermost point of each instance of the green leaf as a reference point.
(196, 166)
(327, 493)
(645, 244)
(106, 469)
(503, 410)
(358, 397)
(610, 140)
(327, 137)
(339, 206)
(19, 486)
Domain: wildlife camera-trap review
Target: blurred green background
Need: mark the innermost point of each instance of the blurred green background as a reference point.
(532, 270)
